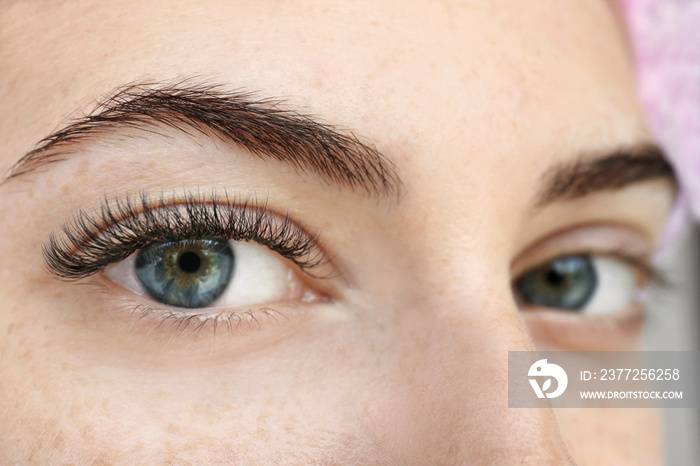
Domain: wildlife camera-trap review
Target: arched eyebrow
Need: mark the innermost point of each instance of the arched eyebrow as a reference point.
(263, 127)
(606, 171)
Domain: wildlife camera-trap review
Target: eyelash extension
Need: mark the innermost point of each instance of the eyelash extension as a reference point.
(90, 242)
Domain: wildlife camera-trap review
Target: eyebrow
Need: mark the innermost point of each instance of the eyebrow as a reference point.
(263, 127)
(610, 171)
(268, 130)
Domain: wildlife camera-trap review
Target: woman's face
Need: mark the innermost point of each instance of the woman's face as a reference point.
(472, 178)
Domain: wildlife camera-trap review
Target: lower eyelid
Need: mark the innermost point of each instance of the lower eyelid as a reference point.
(228, 321)
(148, 327)
(575, 332)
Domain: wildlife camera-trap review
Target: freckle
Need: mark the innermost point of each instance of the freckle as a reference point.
(26, 356)
(58, 442)
(65, 189)
(87, 435)
(262, 434)
(15, 326)
(82, 171)
(102, 461)
(172, 428)
(263, 417)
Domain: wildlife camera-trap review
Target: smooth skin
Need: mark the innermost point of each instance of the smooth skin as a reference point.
(405, 359)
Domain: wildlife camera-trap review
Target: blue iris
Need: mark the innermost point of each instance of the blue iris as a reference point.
(564, 283)
(187, 273)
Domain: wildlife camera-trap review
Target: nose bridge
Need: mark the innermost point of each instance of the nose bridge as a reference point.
(460, 302)
(470, 322)
(522, 436)
(467, 383)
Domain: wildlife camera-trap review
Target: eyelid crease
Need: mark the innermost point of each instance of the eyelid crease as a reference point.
(88, 242)
(592, 237)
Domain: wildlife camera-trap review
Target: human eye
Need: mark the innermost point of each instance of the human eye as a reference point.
(191, 258)
(583, 283)
(587, 283)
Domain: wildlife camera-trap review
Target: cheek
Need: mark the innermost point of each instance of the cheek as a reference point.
(41, 409)
(613, 436)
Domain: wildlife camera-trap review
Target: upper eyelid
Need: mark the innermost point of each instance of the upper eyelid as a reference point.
(586, 233)
(651, 272)
(102, 235)
(633, 252)
(599, 239)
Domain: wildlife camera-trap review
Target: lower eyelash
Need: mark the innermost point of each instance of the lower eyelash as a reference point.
(166, 325)
(88, 242)
(228, 321)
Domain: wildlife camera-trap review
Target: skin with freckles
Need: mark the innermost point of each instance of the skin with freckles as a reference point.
(397, 356)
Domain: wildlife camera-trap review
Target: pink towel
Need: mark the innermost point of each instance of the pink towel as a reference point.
(666, 41)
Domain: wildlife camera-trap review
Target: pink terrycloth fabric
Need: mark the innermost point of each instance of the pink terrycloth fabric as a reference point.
(666, 40)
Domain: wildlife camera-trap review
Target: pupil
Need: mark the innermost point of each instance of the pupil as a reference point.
(554, 277)
(189, 262)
